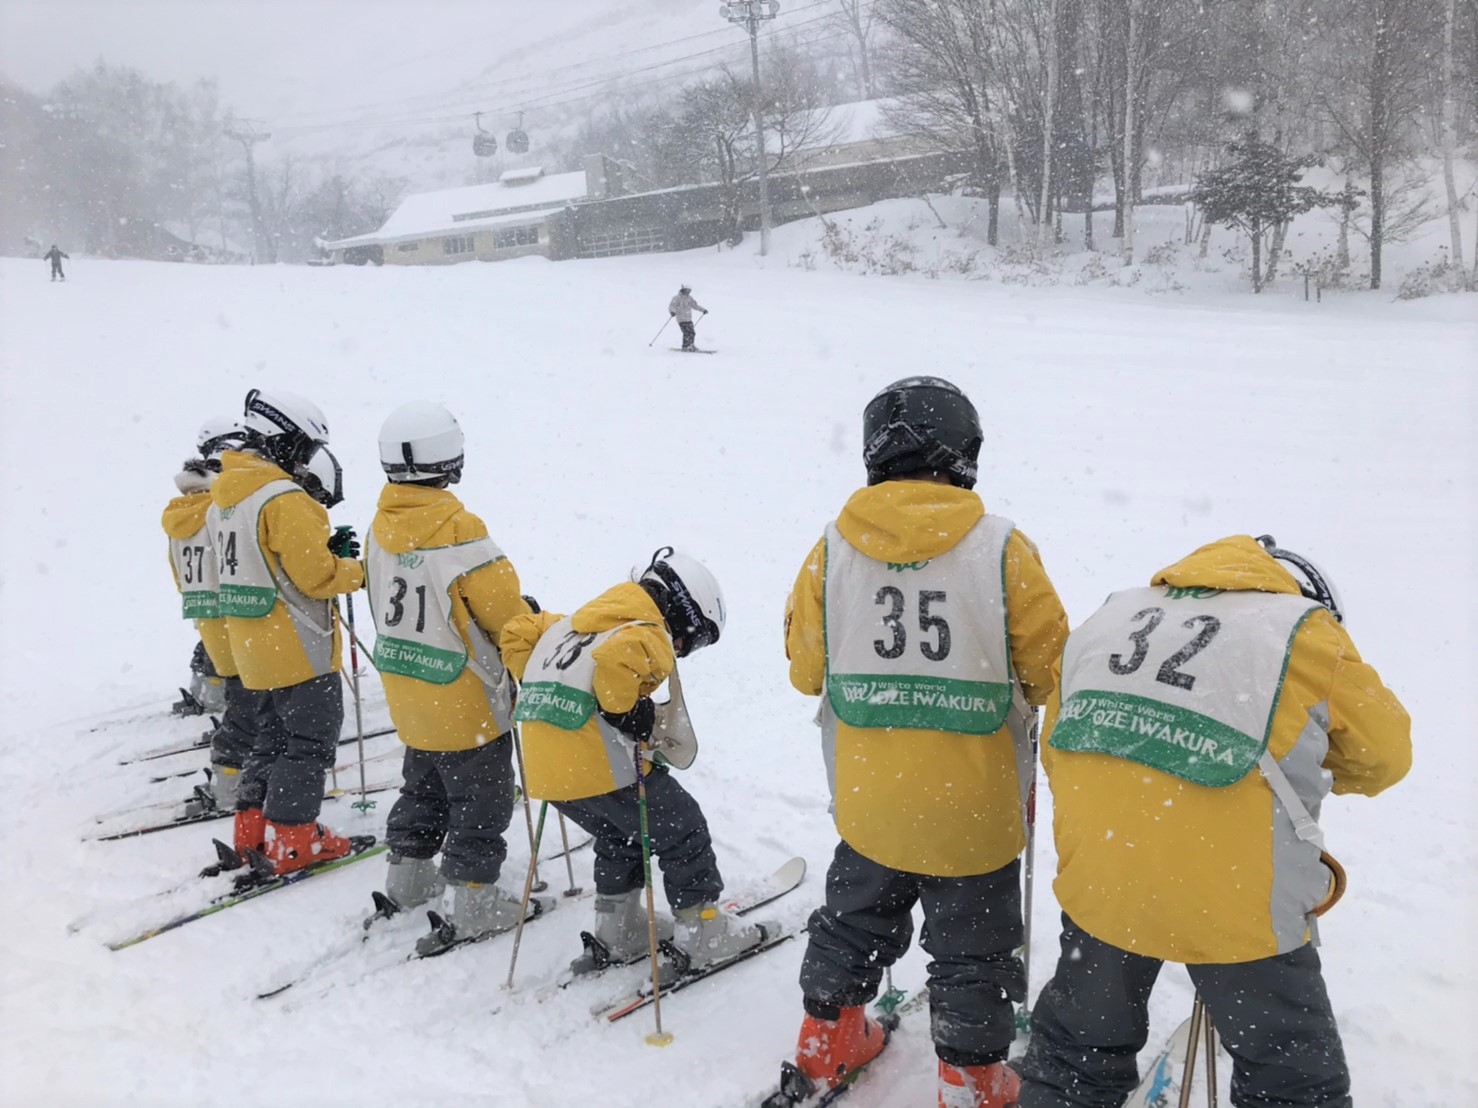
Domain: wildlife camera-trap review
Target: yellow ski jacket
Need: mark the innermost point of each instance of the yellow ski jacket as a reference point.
(1162, 867)
(184, 516)
(930, 802)
(633, 662)
(293, 533)
(455, 716)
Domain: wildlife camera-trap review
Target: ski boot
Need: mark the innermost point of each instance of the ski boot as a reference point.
(247, 836)
(477, 911)
(706, 934)
(223, 784)
(295, 846)
(834, 1041)
(409, 883)
(992, 1086)
(620, 935)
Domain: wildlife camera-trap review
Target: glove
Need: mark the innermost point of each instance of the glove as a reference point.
(637, 723)
(532, 603)
(343, 544)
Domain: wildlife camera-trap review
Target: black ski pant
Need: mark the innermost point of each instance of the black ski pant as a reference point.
(231, 743)
(295, 732)
(690, 333)
(972, 927)
(679, 835)
(1273, 1016)
(56, 270)
(458, 802)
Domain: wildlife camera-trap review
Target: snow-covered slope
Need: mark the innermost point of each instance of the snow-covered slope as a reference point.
(1122, 432)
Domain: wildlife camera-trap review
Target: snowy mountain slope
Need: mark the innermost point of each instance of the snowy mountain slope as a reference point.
(1121, 433)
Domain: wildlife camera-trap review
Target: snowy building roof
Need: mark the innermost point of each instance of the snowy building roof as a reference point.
(517, 193)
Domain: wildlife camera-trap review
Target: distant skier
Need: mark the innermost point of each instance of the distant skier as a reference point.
(584, 704)
(681, 307)
(55, 256)
(927, 626)
(441, 590)
(279, 571)
(1199, 725)
(193, 559)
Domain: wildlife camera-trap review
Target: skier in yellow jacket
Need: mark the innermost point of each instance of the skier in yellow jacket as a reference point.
(1199, 725)
(192, 560)
(928, 627)
(441, 590)
(279, 571)
(584, 707)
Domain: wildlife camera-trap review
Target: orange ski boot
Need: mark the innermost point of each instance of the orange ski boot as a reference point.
(250, 831)
(829, 1049)
(295, 846)
(992, 1086)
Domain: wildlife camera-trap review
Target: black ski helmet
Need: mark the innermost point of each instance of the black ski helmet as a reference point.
(921, 423)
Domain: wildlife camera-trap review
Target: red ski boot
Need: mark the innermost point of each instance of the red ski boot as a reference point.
(828, 1050)
(250, 831)
(295, 846)
(992, 1086)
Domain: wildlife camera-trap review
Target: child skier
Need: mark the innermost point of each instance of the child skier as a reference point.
(586, 711)
(55, 256)
(279, 572)
(926, 625)
(682, 307)
(1199, 725)
(193, 561)
(441, 590)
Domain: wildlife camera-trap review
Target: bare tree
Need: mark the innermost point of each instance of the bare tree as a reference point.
(1449, 139)
(857, 16)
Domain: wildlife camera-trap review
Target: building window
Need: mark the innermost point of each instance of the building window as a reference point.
(515, 236)
(457, 244)
(408, 247)
(627, 241)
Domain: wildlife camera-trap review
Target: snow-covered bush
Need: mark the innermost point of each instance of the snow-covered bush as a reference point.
(1437, 276)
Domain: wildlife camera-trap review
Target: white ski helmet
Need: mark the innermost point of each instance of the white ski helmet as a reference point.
(421, 441)
(322, 477)
(218, 434)
(284, 427)
(689, 597)
(1312, 581)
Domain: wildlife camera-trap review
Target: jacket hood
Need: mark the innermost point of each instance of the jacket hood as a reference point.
(409, 515)
(185, 515)
(1236, 562)
(909, 521)
(241, 475)
(625, 603)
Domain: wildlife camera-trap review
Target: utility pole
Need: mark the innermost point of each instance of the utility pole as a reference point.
(748, 14)
(245, 132)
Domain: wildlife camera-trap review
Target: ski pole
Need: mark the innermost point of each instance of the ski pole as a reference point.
(528, 891)
(658, 335)
(564, 836)
(1197, 1013)
(657, 1037)
(528, 814)
(1210, 1057)
(363, 804)
(1031, 868)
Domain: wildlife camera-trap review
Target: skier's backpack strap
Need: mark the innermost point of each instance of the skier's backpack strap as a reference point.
(1305, 826)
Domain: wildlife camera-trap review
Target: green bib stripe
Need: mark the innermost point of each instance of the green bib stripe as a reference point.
(200, 605)
(554, 703)
(413, 659)
(246, 601)
(920, 646)
(1203, 716)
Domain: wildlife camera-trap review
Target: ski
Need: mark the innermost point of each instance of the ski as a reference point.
(784, 880)
(1160, 1086)
(447, 939)
(206, 815)
(366, 848)
(796, 1090)
(204, 744)
(694, 350)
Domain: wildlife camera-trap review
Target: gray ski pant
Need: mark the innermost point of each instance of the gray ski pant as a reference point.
(1273, 1016)
(972, 927)
(679, 834)
(295, 732)
(458, 802)
(232, 741)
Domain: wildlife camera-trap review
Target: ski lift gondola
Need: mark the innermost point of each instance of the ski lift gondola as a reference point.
(484, 145)
(518, 138)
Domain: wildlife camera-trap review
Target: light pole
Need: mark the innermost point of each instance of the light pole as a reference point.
(749, 14)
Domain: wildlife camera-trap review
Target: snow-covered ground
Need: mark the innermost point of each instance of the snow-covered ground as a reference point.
(1122, 432)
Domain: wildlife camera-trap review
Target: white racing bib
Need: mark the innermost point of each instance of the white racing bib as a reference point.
(248, 588)
(921, 645)
(411, 597)
(1182, 680)
(199, 575)
(559, 682)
